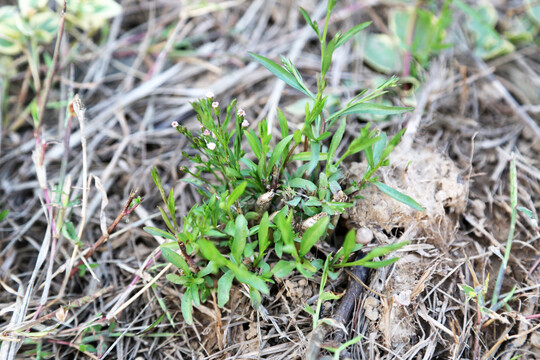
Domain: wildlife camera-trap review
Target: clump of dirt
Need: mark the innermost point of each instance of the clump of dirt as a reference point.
(298, 290)
(433, 181)
(430, 178)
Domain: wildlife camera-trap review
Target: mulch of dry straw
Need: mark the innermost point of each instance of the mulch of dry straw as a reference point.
(161, 55)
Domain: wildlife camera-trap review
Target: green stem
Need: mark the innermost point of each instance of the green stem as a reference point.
(513, 205)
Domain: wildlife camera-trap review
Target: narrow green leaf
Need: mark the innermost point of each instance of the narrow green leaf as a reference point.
(210, 252)
(302, 183)
(377, 252)
(313, 234)
(378, 148)
(157, 181)
(175, 279)
(175, 259)
(280, 73)
(187, 307)
(251, 279)
(334, 144)
(355, 30)
(171, 206)
(254, 143)
(285, 228)
(348, 244)
(240, 236)
(327, 59)
(283, 124)
(306, 156)
(237, 192)
(370, 108)
(224, 287)
(68, 230)
(166, 219)
(379, 264)
(313, 25)
(158, 232)
(283, 268)
(399, 196)
(278, 150)
(314, 160)
(263, 233)
(309, 310)
(394, 141)
(297, 135)
(4, 214)
(255, 296)
(358, 145)
(325, 296)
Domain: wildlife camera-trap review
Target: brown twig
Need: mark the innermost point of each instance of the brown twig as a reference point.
(125, 212)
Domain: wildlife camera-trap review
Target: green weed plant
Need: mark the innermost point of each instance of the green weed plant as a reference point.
(265, 207)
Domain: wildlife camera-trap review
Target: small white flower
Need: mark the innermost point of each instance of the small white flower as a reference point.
(245, 123)
(241, 112)
(174, 124)
(215, 104)
(210, 95)
(206, 132)
(211, 146)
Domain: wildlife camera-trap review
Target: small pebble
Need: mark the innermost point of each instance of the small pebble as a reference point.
(364, 236)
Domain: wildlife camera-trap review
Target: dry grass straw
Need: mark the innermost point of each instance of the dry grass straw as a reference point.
(159, 56)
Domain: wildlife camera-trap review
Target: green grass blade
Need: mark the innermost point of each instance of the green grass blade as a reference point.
(399, 196)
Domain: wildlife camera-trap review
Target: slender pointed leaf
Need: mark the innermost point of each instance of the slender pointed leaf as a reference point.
(399, 196)
(313, 234)
(278, 150)
(370, 108)
(224, 287)
(355, 30)
(158, 232)
(280, 73)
